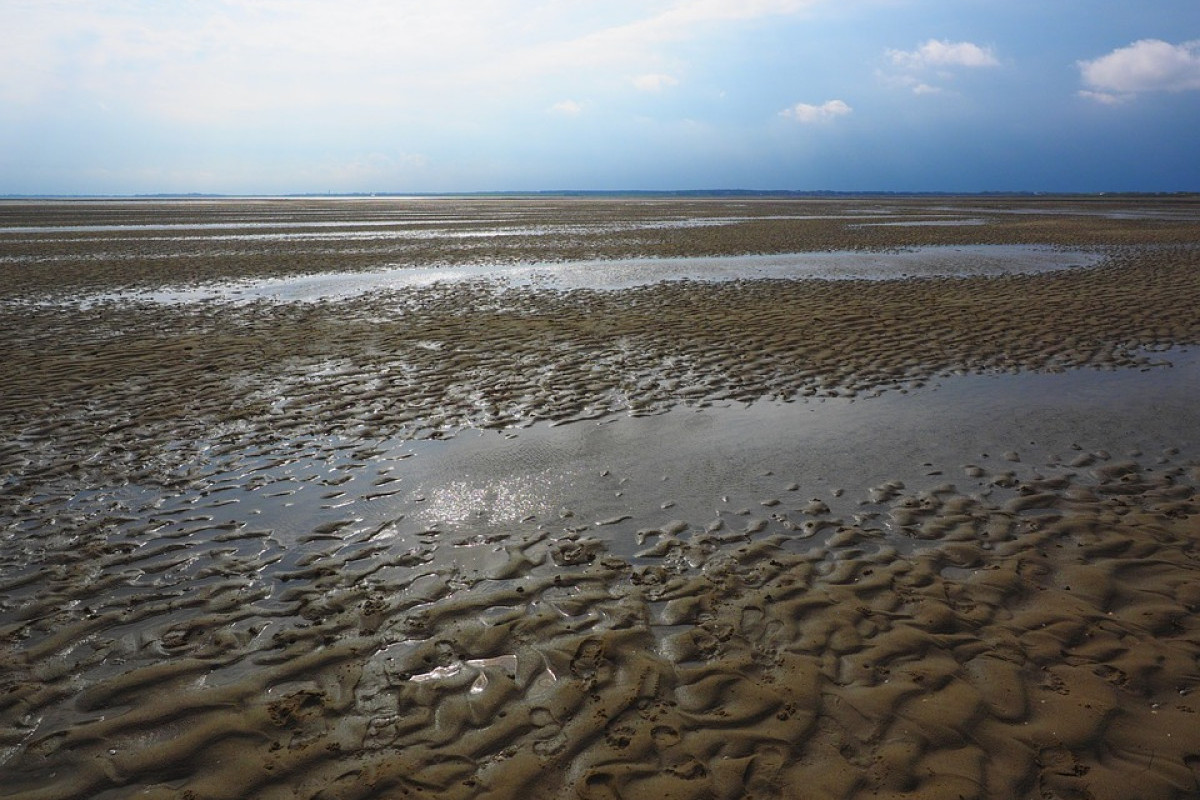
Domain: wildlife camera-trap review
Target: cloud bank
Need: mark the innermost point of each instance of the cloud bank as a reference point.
(194, 62)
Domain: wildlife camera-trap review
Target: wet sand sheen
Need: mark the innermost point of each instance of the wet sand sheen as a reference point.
(251, 551)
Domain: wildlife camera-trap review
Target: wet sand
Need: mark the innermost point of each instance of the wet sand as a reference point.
(927, 533)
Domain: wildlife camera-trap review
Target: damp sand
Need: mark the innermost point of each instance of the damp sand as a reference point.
(927, 537)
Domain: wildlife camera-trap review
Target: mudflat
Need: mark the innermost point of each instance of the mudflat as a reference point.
(602, 498)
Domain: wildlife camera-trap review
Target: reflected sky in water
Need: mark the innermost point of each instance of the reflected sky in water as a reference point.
(617, 274)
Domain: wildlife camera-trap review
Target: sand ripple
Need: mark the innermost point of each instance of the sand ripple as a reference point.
(221, 576)
(1046, 642)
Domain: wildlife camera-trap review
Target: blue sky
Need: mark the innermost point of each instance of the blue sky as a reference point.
(283, 96)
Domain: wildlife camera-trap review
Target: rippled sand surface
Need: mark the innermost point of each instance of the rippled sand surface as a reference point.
(592, 498)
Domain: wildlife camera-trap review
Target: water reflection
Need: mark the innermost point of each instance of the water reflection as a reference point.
(617, 274)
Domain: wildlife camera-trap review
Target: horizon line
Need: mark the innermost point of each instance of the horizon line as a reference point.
(595, 193)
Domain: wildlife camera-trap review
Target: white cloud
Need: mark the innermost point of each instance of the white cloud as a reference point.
(912, 67)
(905, 81)
(654, 82)
(567, 108)
(1105, 97)
(808, 114)
(1148, 65)
(938, 53)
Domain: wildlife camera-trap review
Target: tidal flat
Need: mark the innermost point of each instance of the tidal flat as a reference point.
(600, 497)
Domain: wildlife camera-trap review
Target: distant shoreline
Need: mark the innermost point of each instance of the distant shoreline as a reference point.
(599, 193)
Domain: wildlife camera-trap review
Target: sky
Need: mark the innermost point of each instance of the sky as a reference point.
(400, 96)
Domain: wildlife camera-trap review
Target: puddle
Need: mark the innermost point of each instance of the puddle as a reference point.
(612, 275)
(731, 461)
(728, 466)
